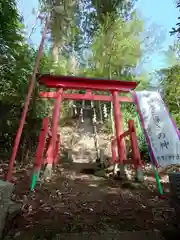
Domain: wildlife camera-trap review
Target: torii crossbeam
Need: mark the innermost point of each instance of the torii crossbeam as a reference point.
(71, 82)
(87, 96)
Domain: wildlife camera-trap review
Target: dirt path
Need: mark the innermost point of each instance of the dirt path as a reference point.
(77, 203)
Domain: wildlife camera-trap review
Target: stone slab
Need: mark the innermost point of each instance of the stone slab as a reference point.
(163, 214)
(6, 189)
(174, 180)
(137, 235)
(14, 210)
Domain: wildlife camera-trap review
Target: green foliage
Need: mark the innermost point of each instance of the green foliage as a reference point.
(112, 7)
(143, 147)
(17, 59)
(176, 30)
(62, 27)
(115, 52)
(115, 49)
(171, 90)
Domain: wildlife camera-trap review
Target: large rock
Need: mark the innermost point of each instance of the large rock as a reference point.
(14, 210)
(174, 180)
(6, 189)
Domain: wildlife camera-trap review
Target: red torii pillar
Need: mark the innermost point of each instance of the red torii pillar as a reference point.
(118, 121)
(54, 129)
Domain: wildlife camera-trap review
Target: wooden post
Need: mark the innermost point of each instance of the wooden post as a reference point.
(119, 130)
(39, 153)
(53, 139)
(135, 151)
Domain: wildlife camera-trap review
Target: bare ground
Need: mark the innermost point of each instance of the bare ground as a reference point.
(78, 203)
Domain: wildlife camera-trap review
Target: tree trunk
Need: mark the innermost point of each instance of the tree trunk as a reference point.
(73, 64)
(118, 168)
(72, 69)
(100, 112)
(55, 52)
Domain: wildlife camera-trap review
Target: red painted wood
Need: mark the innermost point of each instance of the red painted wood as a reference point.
(88, 96)
(134, 145)
(41, 144)
(71, 82)
(128, 162)
(125, 134)
(118, 121)
(136, 158)
(54, 127)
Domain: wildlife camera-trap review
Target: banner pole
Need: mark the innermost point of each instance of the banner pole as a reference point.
(158, 182)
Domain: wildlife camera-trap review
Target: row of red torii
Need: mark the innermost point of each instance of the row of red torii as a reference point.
(50, 147)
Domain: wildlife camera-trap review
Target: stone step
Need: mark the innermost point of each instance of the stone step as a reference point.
(137, 235)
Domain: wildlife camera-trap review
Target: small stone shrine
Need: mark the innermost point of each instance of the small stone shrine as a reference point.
(174, 180)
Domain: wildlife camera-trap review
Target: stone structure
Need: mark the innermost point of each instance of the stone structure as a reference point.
(144, 235)
(174, 180)
(80, 141)
(6, 189)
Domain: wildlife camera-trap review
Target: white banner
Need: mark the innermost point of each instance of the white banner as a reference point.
(161, 132)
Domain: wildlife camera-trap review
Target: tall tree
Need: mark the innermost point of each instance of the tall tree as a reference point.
(112, 7)
(67, 16)
(171, 90)
(61, 21)
(169, 79)
(176, 29)
(116, 47)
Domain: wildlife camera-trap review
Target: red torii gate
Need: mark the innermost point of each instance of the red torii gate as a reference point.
(62, 83)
